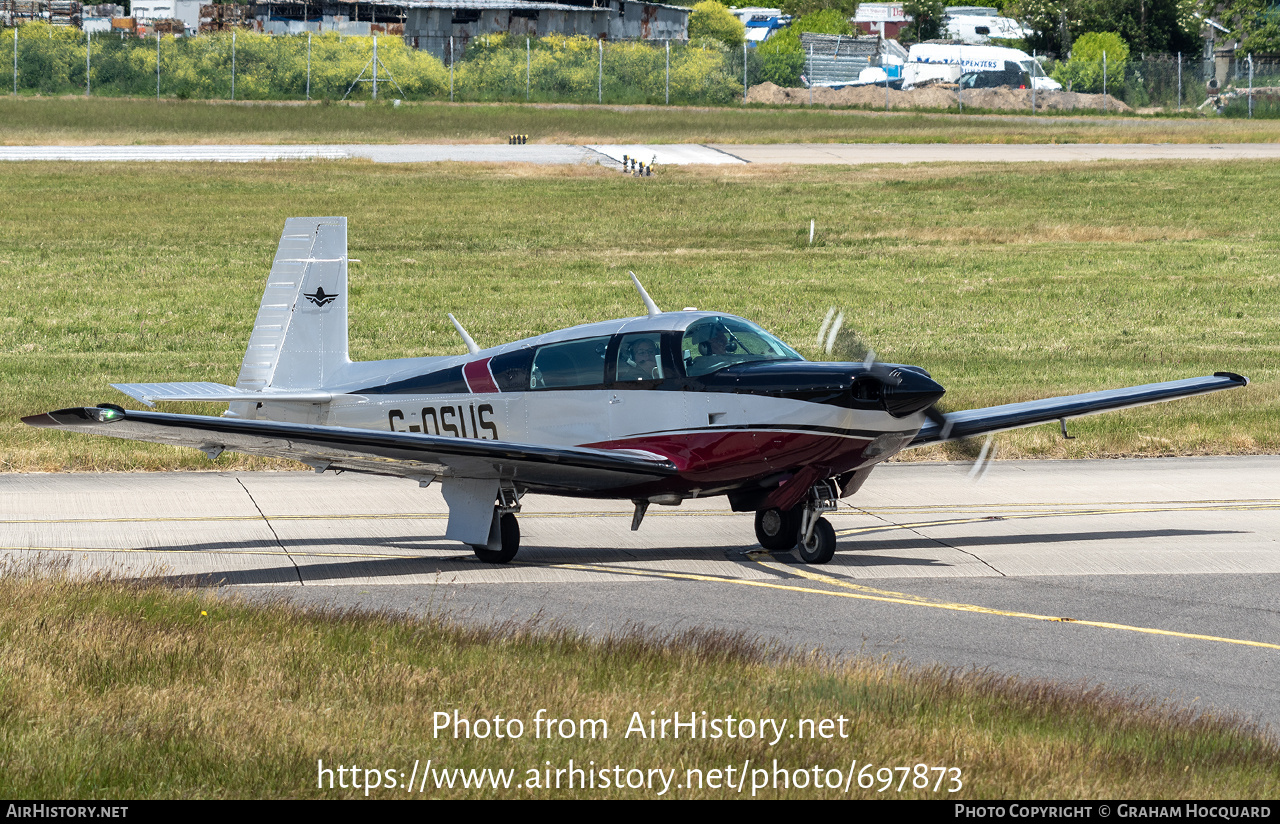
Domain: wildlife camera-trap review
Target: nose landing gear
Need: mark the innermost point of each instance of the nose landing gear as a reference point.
(802, 527)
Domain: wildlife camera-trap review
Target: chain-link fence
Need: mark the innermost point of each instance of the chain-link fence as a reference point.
(251, 66)
(244, 65)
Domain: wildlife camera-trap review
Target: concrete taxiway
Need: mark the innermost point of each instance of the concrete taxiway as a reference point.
(1161, 575)
(661, 154)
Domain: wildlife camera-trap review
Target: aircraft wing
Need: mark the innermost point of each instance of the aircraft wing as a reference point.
(973, 422)
(407, 454)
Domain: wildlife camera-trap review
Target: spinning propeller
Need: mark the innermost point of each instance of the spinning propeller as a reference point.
(843, 345)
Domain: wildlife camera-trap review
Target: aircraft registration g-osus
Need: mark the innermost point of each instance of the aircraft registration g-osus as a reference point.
(652, 409)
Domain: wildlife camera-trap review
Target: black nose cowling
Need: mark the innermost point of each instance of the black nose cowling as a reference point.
(907, 391)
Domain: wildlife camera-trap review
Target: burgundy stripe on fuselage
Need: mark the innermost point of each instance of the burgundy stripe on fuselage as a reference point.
(729, 456)
(478, 376)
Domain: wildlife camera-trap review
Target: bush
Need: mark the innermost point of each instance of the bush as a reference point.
(712, 19)
(1083, 72)
(782, 57)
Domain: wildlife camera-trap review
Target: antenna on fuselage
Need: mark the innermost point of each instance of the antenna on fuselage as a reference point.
(649, 305)
(471, 345)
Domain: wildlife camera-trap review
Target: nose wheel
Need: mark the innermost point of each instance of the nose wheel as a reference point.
(820, 545)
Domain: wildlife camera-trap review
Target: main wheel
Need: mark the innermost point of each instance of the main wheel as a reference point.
(776, 529)
(821, 546)
(504, 540)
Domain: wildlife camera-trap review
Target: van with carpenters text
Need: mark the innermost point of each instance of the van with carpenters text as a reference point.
(937, 61)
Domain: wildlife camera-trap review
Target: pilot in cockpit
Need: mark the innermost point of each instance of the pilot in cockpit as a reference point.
(639, 361)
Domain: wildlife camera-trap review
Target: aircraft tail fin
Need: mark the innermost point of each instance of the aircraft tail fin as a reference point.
(299, 338)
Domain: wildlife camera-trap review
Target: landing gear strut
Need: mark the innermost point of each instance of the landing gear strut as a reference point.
(816, 540)
(802, 527)
(504, 534)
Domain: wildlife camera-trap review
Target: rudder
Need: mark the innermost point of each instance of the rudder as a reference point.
(299, 338)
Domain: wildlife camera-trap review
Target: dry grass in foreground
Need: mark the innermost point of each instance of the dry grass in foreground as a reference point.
(121, 690)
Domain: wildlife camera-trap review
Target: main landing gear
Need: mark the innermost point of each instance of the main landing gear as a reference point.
(504, 534)
(802, 526)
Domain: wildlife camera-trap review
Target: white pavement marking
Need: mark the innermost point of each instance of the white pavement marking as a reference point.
(677, 154)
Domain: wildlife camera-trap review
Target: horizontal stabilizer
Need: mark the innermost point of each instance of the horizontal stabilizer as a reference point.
(149, 393)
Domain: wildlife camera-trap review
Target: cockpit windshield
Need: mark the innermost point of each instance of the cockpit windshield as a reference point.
(714, 343)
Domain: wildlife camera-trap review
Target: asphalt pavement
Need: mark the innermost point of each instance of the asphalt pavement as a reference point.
(660, 154)
(1160, 576)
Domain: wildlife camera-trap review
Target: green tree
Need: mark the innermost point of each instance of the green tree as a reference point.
(712, 19)
(782, 56)
(1256, 24)
(1084, 70)
(1147, 26)
(926, 21)
(801, 8)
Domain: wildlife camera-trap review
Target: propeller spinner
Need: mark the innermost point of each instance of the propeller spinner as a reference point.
(904, 389)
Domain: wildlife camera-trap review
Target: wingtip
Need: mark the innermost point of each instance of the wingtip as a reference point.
(75, 416)
(1240, 379)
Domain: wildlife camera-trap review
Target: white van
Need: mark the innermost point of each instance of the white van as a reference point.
(935, 61)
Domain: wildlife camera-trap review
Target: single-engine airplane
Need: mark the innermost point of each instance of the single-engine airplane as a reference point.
(652, 409)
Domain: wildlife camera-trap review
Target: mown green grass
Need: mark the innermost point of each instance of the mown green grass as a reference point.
(116, 690)
(79, 120)
(1007, 283)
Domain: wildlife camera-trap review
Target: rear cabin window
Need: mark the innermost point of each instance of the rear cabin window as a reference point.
(573, 364)
(511, 370)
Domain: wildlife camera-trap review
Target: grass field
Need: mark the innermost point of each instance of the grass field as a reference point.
(119, 691)
(1006, 283)
(78, 120)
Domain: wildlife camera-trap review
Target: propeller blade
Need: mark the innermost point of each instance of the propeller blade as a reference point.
(985, 457)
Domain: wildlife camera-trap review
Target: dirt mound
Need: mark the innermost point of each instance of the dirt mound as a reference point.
(934, 97)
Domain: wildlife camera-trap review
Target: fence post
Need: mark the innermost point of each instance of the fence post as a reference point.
(886, 88)
(811, 75)
(1250, 84)
(375, 65)
(600, 74)
(15, 58)
(15, 51)
(1104, 81)
(451, 68)
(744, 71)
(308, 65)
(1179, 81)
(157, 66)
(233, 64)
(88, 47)
(528, 69)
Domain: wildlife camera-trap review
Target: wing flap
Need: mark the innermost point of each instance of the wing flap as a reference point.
(406, 454)
(973, 422)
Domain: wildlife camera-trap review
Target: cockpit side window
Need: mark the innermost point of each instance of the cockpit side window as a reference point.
(713, 343)
(577, 364)
(640, 358)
